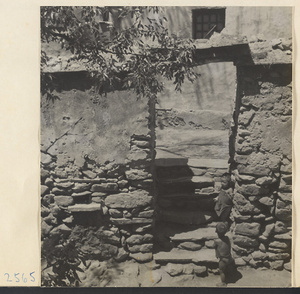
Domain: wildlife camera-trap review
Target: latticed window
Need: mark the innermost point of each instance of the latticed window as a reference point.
(206, 21)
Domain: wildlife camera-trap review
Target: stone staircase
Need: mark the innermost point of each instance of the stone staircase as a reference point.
(186, 220)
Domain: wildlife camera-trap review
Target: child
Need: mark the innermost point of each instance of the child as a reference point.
(223, 201)
(223, 252)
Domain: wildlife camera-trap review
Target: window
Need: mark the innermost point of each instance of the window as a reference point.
(206, 21)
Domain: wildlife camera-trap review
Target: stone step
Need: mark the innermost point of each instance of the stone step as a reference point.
(85, 207)
(185, 256)
(198, 180)
(180, 216)
(189, 196)
(208, 233)
(167, 159)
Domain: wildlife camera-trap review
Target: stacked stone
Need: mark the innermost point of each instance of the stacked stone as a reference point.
(133, 212)
(262, 168)
(106, 205)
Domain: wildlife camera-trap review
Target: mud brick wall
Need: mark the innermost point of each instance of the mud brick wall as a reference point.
(262, 167)
(105, 207)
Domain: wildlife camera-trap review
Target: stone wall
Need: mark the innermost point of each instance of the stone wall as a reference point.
(262, 167)
(96, 177)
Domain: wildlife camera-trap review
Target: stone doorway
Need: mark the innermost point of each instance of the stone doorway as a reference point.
(192, 154)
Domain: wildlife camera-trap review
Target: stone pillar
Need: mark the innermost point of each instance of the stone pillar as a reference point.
(262, 166)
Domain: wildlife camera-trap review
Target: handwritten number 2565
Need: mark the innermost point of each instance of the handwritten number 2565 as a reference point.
(23, 278)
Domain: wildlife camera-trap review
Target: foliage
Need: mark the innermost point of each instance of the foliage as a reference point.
(63, 260)
(135, 50)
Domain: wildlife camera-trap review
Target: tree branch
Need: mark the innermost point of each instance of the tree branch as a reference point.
(64, 134)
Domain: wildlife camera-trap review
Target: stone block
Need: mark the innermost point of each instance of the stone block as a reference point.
(142, 229)
(258, 255)
(81, 187)
(174, 269)
(44, 189)
(44, 173)
(89, 174)
(242, 205)
(264, 181)
(283, 211)
(139, 239)
(140, 248)
(137, 174)
(60, 230)
(278, 244)
(85, 207)
(122, 184)
(45, 211)
(45, 228)
(280, 227)
(283, 237)
(122, 255)
(82, 194)
(246, 117)
(115, 212)
(278, 256)
(64, 200)
(240, 262)
(248, 229)
(267, 201)
(64, 185)
(46, 159)
(190, 246)
(68, 220)
(133, 199)
(97, 199)
(105, 187)
(268, 230)
(251, 189)
(258, 170)
(146, 214)
(110, 237)
(49, 182)
(188, 269)
(133, 221)
(244, 241)
(286, 197)
(99, 194)
(276, 265)
(200, 271)
(138, 155)
(287, 266)
(277, 250)
(210, 244)
(141, 257)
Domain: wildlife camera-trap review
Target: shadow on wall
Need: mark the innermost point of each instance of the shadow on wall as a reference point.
(213, 90)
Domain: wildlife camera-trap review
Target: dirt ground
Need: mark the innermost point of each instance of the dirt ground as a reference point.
(132, 274)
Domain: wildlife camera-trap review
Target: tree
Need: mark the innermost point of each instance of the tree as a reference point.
(135, 56)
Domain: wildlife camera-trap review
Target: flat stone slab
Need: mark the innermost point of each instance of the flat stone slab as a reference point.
(167, 159)
(196, 235)
(138, 198)
(189, 196)
(85, 207)
(135, 220)
(194, 179)
(185, 256)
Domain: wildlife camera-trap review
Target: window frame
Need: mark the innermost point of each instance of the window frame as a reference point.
(220, 18)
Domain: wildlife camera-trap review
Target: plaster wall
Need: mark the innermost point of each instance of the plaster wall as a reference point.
(271, 22)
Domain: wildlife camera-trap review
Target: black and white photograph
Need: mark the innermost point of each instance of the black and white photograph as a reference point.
(166, 146)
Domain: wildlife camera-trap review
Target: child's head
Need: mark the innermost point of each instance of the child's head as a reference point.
(225, 181)
(221, 229)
